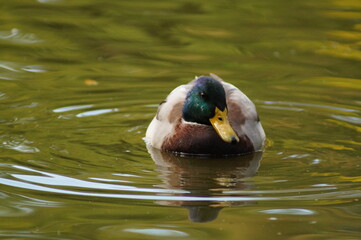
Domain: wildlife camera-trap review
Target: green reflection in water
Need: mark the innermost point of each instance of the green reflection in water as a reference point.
(80, 82)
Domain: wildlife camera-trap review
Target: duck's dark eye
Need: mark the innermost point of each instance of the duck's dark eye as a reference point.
(203, 95)
(220, 119)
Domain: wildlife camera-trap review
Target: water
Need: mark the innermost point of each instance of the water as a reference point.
(80, 82)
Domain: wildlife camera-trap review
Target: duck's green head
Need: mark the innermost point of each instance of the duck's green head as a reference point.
(206, 104)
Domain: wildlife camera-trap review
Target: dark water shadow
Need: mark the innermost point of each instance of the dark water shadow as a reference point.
(205, 177)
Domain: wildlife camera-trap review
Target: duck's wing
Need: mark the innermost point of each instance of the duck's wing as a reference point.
(243, 116)
(169, 114)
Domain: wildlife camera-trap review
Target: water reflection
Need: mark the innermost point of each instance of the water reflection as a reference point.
(204, 177)
(17, 36)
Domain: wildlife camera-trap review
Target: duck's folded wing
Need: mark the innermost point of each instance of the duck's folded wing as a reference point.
(243, 116)
(168, 115)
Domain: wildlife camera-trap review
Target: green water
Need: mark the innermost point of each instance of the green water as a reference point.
(80, 82)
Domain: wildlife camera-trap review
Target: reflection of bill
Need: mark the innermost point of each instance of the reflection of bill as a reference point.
(204, 177)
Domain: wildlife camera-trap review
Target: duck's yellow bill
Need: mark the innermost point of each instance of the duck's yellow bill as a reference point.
(221, 124)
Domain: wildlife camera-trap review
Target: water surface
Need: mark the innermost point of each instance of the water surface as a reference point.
(81, 80)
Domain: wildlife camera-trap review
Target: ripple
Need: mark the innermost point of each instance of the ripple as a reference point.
(10, 66)
(109, 180)
(289, 211)
(284, 108)
(34, 69)
(157, 232)
(49, 1)
(295, 190)
(20, 145)
(17, 67)
(2, 95)
(27, 105)
(6, 211)
(64, 181)
(49, 182)
(311, 105)
(32, 235)
(72, 108)
(125, 175)
(311, 197)
(184, 180)
(90, 113)
(29, 186)
(293, 156)
(349, 119)
(13, 70)
(315, 161)
(17, 36)
(96, 112)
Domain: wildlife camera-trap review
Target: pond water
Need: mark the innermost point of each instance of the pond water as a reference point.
(81, 80)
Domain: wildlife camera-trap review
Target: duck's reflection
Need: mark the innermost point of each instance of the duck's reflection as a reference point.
(202, 177)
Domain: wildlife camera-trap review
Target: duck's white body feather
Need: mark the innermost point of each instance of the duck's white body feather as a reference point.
(160, 128)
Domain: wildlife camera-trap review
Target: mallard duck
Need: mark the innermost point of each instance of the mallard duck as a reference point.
(208, 117)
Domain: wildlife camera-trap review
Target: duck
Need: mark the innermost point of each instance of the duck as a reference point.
(207, 117)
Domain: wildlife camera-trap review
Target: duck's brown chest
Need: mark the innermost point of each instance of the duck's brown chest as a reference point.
(203, 139)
